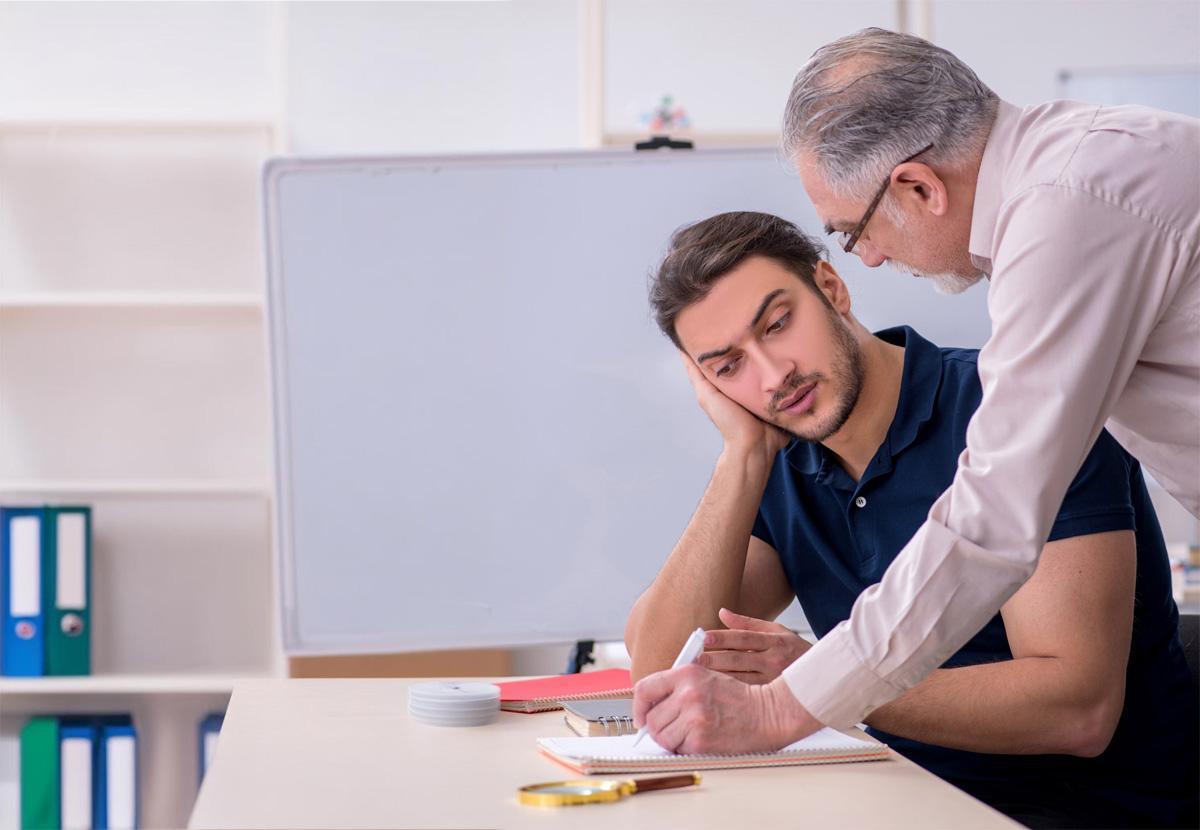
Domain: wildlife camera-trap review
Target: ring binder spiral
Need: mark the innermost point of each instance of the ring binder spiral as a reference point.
(599, 718)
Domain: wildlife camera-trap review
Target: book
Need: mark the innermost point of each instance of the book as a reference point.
(591, 756)
(76, 772)
(208, 733)
(592, 718)
(79, 771)
(543, 694)
(39, 773)
(114, 788)
(22, 639)
(66, 589)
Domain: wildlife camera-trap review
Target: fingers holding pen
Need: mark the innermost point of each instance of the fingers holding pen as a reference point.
(660, 699)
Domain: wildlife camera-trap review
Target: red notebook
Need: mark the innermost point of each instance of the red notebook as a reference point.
(543, 693)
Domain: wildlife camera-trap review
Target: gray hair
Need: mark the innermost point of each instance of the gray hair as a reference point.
(867, 100)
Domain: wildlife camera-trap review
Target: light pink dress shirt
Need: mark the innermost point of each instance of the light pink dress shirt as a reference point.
(1087, 219)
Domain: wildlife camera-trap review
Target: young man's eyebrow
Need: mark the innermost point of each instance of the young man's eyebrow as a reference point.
(711, 355)
(762, 309)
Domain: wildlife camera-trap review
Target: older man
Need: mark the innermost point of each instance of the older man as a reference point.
(1086, 221)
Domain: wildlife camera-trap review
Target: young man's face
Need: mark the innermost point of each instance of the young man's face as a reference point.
(770, 343)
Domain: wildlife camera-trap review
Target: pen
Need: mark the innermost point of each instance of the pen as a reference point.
(691, 650)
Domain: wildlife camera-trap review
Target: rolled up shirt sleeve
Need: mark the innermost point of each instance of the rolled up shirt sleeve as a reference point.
(1078, 284)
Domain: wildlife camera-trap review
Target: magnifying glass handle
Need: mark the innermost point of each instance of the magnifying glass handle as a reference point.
(666, 782)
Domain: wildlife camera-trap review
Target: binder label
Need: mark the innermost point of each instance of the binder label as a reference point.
(71, 590)
(75, 776)
(26, 567)
(122, 781)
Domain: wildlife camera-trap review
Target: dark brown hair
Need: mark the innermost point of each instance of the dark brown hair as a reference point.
(703, 252)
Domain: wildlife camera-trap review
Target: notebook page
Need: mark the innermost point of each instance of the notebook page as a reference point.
(620, 747)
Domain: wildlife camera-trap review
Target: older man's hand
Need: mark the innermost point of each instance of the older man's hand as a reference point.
(696, 710)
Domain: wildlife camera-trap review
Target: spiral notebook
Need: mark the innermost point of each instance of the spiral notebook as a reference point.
(590, 756)
(599, 717)
(544, 693)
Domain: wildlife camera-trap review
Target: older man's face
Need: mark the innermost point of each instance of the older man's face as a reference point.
(923, 244)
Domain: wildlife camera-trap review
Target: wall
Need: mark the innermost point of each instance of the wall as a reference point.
(1029, 42)
(138, 60)
(431, 77)
(425, 77)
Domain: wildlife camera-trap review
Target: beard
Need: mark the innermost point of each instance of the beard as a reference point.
(948, 282)
(944, 282)
(847, 375)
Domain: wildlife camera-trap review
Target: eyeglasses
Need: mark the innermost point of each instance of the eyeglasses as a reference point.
(852, 240)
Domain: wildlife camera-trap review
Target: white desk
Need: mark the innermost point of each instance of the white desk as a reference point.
(345, 753)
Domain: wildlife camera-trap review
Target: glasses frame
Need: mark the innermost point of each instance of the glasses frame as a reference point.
(862, 223)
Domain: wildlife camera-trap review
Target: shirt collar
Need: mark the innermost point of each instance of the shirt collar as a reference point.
(919, 382)
(988, 196)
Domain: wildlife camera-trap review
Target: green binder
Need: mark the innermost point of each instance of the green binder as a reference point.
(67, 589)
(39, 775)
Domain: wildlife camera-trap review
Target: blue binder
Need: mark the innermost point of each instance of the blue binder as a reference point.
(77, 771)
(115, 796)
(23, 638)
(210, 728)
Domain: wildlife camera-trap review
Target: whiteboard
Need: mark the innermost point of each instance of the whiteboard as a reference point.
(481, 437)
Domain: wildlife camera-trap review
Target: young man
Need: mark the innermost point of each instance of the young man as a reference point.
(1069, 709)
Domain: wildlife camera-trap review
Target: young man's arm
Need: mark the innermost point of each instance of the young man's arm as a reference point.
(716, 561)
(1069, 630)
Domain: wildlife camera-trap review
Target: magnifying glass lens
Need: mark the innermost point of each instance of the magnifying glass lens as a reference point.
(581, 791)
(596, 791)
(570, 789)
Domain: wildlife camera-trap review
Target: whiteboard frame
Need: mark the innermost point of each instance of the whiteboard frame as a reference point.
(275, 170)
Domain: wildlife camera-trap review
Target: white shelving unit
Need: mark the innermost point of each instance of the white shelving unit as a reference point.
(117, 684)
(134, 375)
(136, 487)
(130, 299)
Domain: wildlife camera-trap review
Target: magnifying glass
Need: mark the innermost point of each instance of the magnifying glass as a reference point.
(598, 790)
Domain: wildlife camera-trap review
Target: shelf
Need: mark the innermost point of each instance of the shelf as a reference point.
(129, 299)
(133, 487)
(125, 684)
(133, 125)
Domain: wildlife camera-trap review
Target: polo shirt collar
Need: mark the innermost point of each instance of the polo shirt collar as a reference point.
(1001, 142)
(919, 382)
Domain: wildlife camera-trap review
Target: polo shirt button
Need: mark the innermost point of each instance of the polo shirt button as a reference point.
(860, 502)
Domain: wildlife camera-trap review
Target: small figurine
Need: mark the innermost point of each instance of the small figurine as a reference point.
(666, 118)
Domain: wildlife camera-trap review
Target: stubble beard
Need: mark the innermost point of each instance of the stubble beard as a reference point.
(847, 373)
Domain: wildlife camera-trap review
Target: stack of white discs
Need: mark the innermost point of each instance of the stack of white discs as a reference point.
(450, 703)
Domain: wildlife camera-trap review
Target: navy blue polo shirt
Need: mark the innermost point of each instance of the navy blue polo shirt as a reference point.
(835, 537)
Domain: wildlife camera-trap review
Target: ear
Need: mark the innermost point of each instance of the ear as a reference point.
(920, 187)
(831, 285)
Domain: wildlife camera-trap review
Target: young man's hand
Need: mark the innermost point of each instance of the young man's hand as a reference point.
(695, 710)
(741, 429)
(752, 650)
